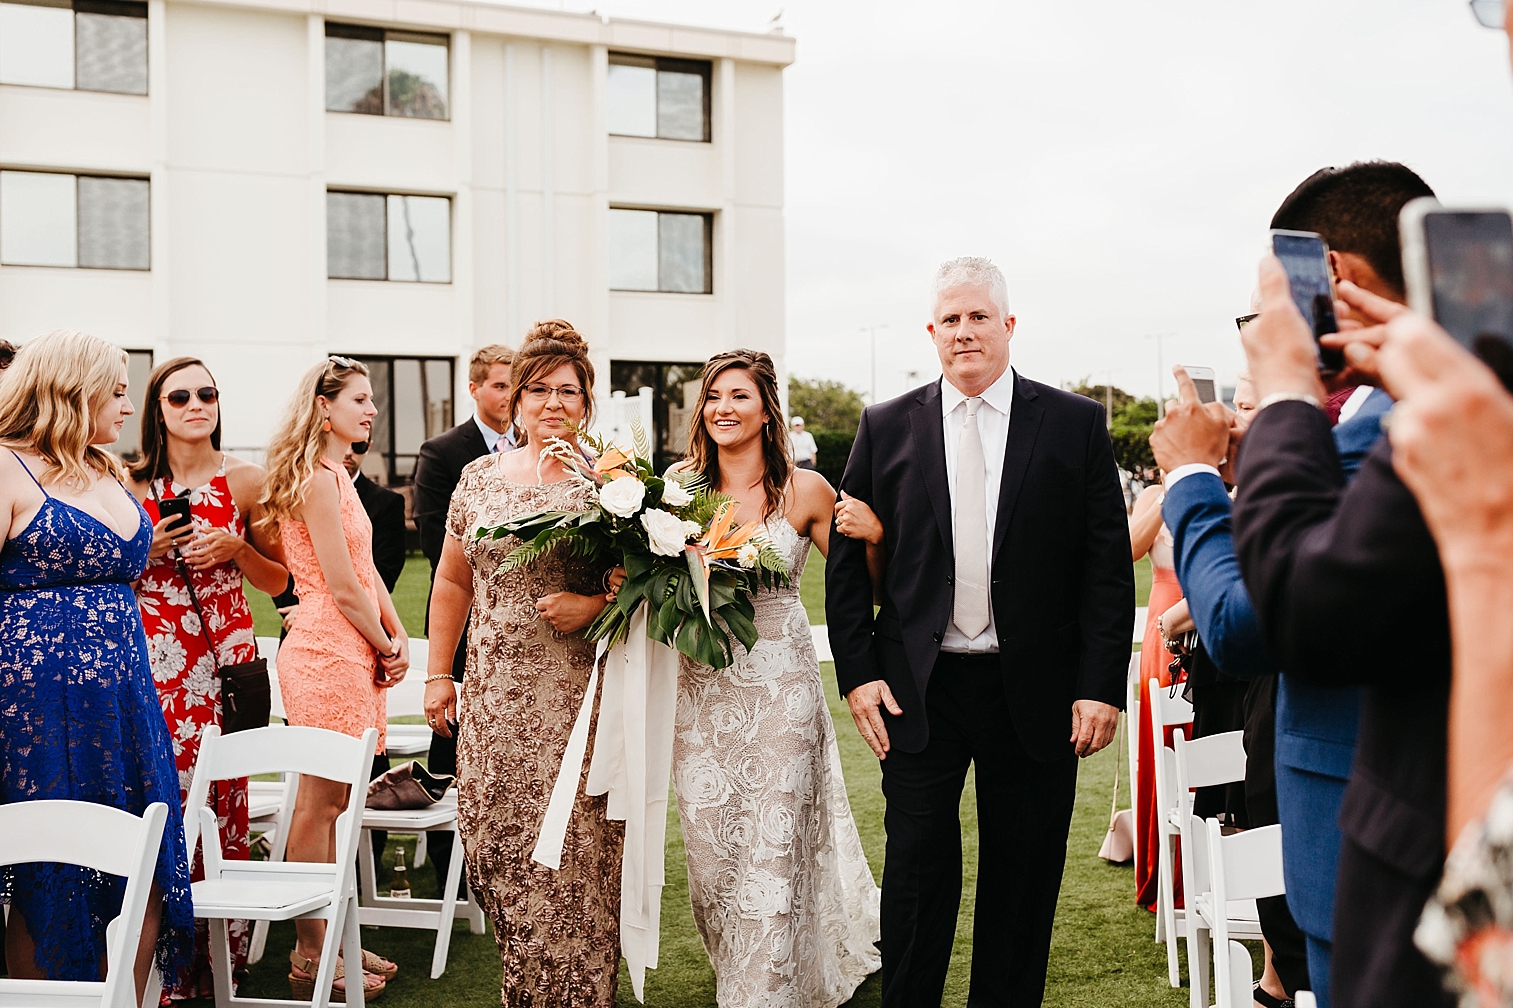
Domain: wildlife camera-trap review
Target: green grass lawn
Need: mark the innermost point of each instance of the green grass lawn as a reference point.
(1102, 952)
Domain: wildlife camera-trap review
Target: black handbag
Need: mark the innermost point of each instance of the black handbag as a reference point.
(246, 695)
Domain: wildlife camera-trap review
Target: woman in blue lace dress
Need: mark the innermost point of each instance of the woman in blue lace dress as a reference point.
(80, 712)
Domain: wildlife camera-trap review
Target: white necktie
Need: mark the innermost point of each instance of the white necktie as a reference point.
(970, 612)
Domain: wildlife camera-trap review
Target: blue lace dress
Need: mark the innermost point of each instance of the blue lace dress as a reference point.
(80, 719)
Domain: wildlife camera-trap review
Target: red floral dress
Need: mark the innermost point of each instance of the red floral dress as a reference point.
(189, 688)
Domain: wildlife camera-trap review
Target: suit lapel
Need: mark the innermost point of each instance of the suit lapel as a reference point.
(927, 434)
(476, 444)
(1024, 424)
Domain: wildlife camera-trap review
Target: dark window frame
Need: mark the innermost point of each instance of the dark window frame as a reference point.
(85, 174)
(620, 373)
(704, 68)
(389, 453)
(371, 33)
(117, 8)
(708, 251)
(386, 278)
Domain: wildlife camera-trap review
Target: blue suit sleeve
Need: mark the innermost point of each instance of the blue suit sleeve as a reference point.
(1354, 438)
(1197, 511)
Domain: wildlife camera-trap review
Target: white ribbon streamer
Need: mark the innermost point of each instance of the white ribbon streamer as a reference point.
(632, 764)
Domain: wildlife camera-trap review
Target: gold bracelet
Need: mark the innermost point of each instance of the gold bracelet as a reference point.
(437, 678)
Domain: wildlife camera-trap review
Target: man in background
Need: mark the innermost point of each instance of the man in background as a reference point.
(805, 451)
(442, 459)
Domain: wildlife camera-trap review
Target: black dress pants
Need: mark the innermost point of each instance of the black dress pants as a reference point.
(1024, 807)
(442, 759)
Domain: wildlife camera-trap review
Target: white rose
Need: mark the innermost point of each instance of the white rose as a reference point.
(664, 531)
(622, 497)
(674, 494)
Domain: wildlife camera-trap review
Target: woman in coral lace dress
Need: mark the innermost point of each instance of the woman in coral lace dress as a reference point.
(181, 455)
(347, 646)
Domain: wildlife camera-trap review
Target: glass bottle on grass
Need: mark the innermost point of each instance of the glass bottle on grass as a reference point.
(400, 887)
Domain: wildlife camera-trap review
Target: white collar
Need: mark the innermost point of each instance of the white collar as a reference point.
(999, 395)
(490, 435)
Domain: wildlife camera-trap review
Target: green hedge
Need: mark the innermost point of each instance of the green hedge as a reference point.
(834, 449)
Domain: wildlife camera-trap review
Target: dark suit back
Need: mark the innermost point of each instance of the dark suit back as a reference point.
(437, 471)
(1348, 588)
(1062, 589)
(386, 510)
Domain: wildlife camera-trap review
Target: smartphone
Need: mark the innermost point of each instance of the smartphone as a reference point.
(176, 507)
(1203, 381)
(1305, 257)
(1458, 263)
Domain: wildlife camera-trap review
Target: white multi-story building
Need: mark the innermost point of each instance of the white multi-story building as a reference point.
(263, 182)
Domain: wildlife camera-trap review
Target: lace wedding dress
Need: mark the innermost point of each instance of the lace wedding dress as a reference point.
(781, 891)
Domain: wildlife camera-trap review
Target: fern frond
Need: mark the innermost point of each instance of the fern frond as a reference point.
(639, 439)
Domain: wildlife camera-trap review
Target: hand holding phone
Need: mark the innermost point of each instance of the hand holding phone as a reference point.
(1458, 264)
(178, 508)
(1203, 382)
(1305, 258)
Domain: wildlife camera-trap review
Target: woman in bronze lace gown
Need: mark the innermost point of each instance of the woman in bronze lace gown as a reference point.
(528, 667)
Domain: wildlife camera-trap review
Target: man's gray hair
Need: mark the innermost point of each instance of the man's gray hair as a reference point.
(973, 270)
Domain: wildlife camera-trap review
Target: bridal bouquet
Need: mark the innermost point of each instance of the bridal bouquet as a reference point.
(684, 556)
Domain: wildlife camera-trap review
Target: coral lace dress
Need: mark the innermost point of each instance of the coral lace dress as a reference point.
(188, 686)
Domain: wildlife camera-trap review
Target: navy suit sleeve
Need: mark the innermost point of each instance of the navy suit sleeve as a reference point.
(848, 585)
(1107, 611)
(1355, 438)
(1197, 510)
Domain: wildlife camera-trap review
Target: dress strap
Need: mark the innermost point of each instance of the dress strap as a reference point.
(31, 474)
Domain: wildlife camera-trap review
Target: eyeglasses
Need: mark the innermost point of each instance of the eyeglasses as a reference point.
(1245, 320)
(568, 395)
(341, 361)
(1488, 13)
(179, 397)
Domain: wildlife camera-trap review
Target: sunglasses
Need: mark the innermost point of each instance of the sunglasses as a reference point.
(360, 447)
(179, 397)
(340, 361)
(1245, 320)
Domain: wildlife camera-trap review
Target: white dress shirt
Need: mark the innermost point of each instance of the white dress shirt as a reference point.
(993, 428)
(491, 437)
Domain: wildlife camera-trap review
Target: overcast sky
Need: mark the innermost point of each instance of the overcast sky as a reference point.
(1120, 161)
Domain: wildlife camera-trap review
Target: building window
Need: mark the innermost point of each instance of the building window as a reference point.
(652, 250)
(674, 405)
(654, 97)
(377, 72)
(370, 236)
(94, 221)
(138, 368)
(414, 400)
(90, 45)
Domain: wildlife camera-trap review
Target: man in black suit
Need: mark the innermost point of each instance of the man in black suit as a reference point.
(1348, 588)
(1002, 640)
(386, 510)
(437, 471)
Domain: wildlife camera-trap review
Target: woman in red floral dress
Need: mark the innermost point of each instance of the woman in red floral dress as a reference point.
(181, 439)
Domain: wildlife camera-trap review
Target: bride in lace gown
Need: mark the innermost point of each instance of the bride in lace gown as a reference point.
(780, 887)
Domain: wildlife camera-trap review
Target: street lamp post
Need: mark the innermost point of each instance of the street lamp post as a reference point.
(1160, 372)
(871, 331)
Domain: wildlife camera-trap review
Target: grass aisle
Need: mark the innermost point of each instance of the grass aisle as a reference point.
(1102, 952)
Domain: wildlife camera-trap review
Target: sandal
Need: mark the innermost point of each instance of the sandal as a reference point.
(1266, 999)
(377, 965)
(302, 988)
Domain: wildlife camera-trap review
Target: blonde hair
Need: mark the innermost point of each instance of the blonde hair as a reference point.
(485, 358)
(48, 400)
(297, 444)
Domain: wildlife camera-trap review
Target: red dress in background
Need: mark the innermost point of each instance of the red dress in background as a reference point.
(190, 690)
(1154, 662)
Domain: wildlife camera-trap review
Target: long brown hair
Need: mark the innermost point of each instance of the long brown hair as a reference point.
(704, 454)
(154, 461)
(548, 346)
(48, 399)
(297, 444)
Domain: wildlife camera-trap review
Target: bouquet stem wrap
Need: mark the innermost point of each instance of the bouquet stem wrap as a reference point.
(632, 763)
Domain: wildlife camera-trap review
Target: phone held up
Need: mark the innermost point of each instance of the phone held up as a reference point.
(178, 508)
(1305, 258)
(1203, 382)
(1458, 264)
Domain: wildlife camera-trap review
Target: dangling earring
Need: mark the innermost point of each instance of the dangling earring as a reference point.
(326, 427)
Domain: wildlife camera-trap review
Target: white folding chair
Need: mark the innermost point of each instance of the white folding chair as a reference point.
(1171, 923)
(280, 890)
(1205, 762)
(1241, 866)
(107, 840)
(1305, 999)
